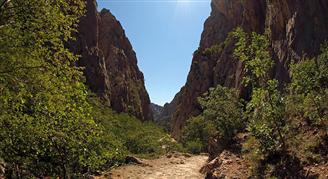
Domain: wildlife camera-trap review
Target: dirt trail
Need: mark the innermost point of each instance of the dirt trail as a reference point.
(175, 166)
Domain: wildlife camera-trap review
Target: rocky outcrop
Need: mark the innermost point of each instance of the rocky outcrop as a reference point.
(163, 116)
(110, 63)
(226, 165)
(157, 110)
(297, 27)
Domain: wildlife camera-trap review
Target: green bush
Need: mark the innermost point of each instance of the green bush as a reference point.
(134, 136)
(198, 128)
(195, 146)
(45, 121)
(274, 116)
(221, 119)
(308, 91)
(223, 110)
(307, 106)
(266, 109)
(267, 123)
(213, 50)
(253, 50)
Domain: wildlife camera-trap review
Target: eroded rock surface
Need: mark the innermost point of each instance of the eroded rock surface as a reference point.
(297, 27)
(110, 63)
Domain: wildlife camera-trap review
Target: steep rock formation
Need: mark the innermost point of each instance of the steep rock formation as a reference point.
(163, 118)
(110, 63)
(297, 27)
(159, 119)
(157, 110)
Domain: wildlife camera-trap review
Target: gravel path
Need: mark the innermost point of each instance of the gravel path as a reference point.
(175, 166)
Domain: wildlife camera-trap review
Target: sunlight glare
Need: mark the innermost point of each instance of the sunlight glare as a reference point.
(183, 7)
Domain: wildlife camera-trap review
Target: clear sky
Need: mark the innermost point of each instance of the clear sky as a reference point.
(164, 34)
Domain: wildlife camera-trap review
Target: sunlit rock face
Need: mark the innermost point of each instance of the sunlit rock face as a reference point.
(110, 63)
(297, 28)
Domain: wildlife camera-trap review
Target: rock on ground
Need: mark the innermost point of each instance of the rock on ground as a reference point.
(226, 165)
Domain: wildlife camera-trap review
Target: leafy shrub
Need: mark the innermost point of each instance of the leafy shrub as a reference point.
(199, 129)
(253, 154)
(253, 50)
(274, 117)
(195, 146)
(266, 109)
(308, 91)
(45, 121)
(213, 50)
(223, 108)
(265, 113)
(307, 106)
(221, 118)
(134, 136)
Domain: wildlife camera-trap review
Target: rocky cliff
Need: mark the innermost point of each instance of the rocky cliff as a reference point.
(297, 27)
(110, 63)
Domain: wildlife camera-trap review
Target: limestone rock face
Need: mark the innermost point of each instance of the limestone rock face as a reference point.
(297, 27)
(110, 63)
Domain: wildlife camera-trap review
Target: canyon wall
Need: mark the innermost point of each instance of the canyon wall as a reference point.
(297, 29)
(110, 63)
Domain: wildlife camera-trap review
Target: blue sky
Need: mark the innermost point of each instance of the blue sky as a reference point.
(164, 34)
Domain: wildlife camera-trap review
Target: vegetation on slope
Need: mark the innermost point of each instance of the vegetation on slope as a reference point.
(130, 135)
(49, 125)
(287, 128)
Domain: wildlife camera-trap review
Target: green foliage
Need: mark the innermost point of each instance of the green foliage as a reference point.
(307, 106)
(132, 135)
(223, 108)
(253, 50)
(253, 154)
(198, 130)
(265, 113)
(274, 118)
(309, 89)
(310, 74)
(221, 118)
(45, 121)
(213, 50)
(194, 146)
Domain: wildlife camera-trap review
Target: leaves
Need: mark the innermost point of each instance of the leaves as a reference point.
(221, 118)
(253, 50)
(266, 112)
(45, 121)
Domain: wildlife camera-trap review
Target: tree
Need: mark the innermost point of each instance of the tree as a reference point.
(308, 91)
(266, 114)
(221, 118)
(253, 50)
(196, 134)
(224, 109)
(265, 111)
(45, 121)
(275, 116)
(307, 108)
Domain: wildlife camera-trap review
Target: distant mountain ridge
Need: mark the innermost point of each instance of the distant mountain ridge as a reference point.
(110, 63)
(157, 111)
